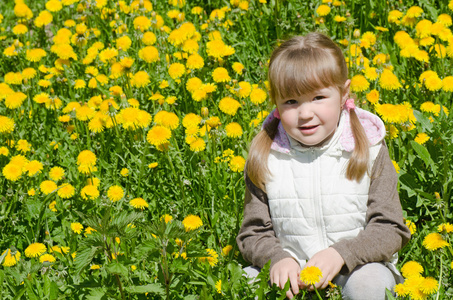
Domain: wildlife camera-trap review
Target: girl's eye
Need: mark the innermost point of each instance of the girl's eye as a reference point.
(292, 101)
(319, 98)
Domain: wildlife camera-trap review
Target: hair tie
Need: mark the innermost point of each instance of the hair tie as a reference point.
(349, 104)
(276, 114)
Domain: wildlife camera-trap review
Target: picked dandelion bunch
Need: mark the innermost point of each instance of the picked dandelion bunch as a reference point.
(311, 275)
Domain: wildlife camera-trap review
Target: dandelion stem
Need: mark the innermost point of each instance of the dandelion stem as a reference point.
(440, 276)
(317, 293)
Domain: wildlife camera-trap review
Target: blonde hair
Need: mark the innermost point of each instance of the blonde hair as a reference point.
(301, 65)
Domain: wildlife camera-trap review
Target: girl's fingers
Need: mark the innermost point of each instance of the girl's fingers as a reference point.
(294, 285)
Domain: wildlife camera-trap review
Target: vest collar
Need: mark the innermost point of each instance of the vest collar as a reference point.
(343, 138)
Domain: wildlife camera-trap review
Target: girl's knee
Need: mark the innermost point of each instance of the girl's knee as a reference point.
(369, 282)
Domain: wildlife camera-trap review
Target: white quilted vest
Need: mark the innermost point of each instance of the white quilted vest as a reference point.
(311, 202)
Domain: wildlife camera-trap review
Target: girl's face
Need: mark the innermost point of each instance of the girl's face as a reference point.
(312, 118)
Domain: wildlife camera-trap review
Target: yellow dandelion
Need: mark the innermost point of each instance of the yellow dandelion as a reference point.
(166, 218)
(167, 119)
(89, 192)
(401, 290)
(198, 145)
(139, 203)
(434, 241)
(233, 130)
(411, 226)
(414, 12)
(411, 268)
(433, 83)
(257, 96)
(226, 250)
(359, 83)
(445, 227)
(237, 164)
(6, 124)
(56, 173)
(158, 135)
(421, 138)
(323, 10)
(389, 81)
(66, 191)
(48, 187)
(220, 74)
(47, 258)
(35, 250)
(115, 193)
(140, 79)
(429, 286)
(10, 259)
(212, 257)
(176, 70)
(218, 286)
(33, 167)
(229, 105)
(77, 227)
(373, 96)
(192, 222)
(311, 275)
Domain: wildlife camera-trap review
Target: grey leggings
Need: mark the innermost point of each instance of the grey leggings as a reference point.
(366, 282)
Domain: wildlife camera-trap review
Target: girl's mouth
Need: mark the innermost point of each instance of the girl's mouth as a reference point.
(309, 129)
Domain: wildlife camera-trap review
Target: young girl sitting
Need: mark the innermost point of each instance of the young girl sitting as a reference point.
(321, 188)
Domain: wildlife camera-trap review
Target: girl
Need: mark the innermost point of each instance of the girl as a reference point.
(321, 188)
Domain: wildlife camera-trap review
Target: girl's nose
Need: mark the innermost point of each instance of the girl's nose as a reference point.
(306, 111)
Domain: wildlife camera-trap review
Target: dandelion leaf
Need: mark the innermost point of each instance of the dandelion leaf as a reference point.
(424, 155)
(389, 295)
(153, 288)
(97, 294)
(408, 183)
(116, 268)
(84, 258)
(3, 257)
(30, 292)
(50, 288)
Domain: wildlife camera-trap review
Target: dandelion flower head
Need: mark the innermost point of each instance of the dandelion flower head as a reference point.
(35, 250)
(192, 222)
(311, 275)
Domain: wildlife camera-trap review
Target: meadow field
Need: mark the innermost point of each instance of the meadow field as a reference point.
(125, 126)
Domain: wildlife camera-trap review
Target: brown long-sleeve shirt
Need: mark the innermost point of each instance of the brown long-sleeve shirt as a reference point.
(384, 234)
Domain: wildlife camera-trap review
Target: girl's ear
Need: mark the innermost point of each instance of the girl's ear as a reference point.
(345, 97)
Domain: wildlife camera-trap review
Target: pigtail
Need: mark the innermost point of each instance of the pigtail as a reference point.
(358, 163)
(257, 168)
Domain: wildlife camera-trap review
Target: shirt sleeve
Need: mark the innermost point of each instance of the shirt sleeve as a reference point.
(385, 232)
(256, 239)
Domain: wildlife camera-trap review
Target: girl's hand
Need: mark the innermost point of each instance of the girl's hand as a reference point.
(330, 262)
(284, 269)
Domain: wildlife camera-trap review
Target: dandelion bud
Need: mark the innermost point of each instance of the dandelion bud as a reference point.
(356, 33)
(204, 111)
(111, 108)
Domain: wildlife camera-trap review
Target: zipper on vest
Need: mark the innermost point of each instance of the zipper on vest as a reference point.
(318, 201)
